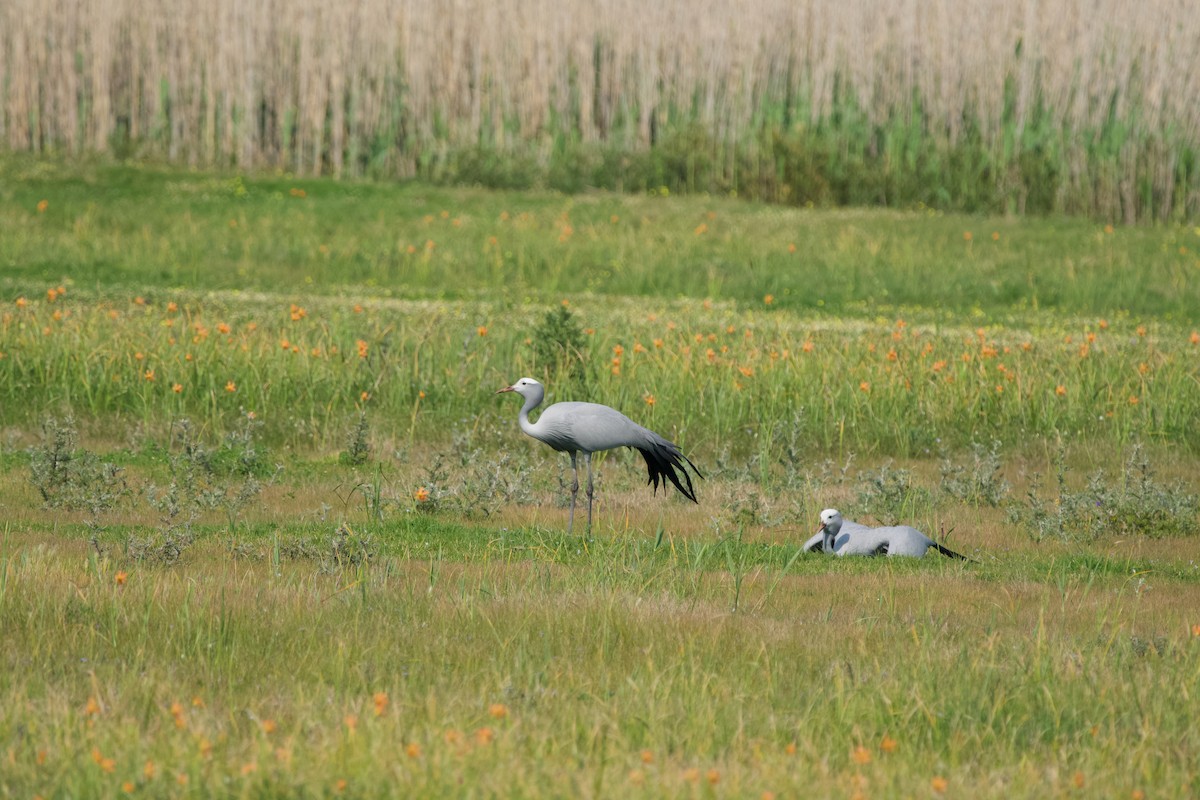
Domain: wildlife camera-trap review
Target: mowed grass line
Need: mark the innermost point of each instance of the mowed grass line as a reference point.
(136, 229)
(520, 680)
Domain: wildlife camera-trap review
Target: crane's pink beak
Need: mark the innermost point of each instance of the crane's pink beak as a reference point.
(821, 528)
(506, 389)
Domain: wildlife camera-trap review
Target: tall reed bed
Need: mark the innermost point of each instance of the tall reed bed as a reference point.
(1067, 105)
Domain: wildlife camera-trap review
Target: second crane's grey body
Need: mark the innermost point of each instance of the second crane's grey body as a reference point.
(848, 538)
(589, 428)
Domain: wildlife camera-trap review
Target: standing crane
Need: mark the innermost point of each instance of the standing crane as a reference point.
(589, 428)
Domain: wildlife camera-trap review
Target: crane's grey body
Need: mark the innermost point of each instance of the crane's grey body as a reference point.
(585, 428)
(588, 428)
(848, 538)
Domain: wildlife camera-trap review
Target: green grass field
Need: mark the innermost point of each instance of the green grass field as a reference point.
(269, 532)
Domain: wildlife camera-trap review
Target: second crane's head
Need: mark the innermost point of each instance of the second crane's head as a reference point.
(831, 523)
(527, 388)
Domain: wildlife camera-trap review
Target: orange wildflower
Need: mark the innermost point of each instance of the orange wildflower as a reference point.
(939, 784)
(484, 736)
(422, 494)
(381, 703)
(861, 755)
(481, 330)
(967, 236)
(230, 386)
(807, 346)
(92, 708)
(149, 375)
(701, 229)
(361, 344)
(498, 710)
(22, 302)
(413, 750)
(1195, 337)
(42, 206)
(888, 745)
(768, 299)
(1079, 780)
(1134, 400)
(122, 577)
(647, 757)
(864, 386)
(1060, 390)
(649, 399)
(177, 388)
(713, 776)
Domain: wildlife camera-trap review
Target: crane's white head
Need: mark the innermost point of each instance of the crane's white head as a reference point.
(831, 520)
(831, 523)
(526, 387)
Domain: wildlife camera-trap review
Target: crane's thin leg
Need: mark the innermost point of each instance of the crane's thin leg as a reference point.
(587, 459)
(574, 492)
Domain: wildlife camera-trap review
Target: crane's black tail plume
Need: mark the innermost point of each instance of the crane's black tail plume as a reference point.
(946, 551)
(662, 460)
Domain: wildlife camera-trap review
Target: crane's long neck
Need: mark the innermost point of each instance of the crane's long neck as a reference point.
(532, 401)
(831, 532)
